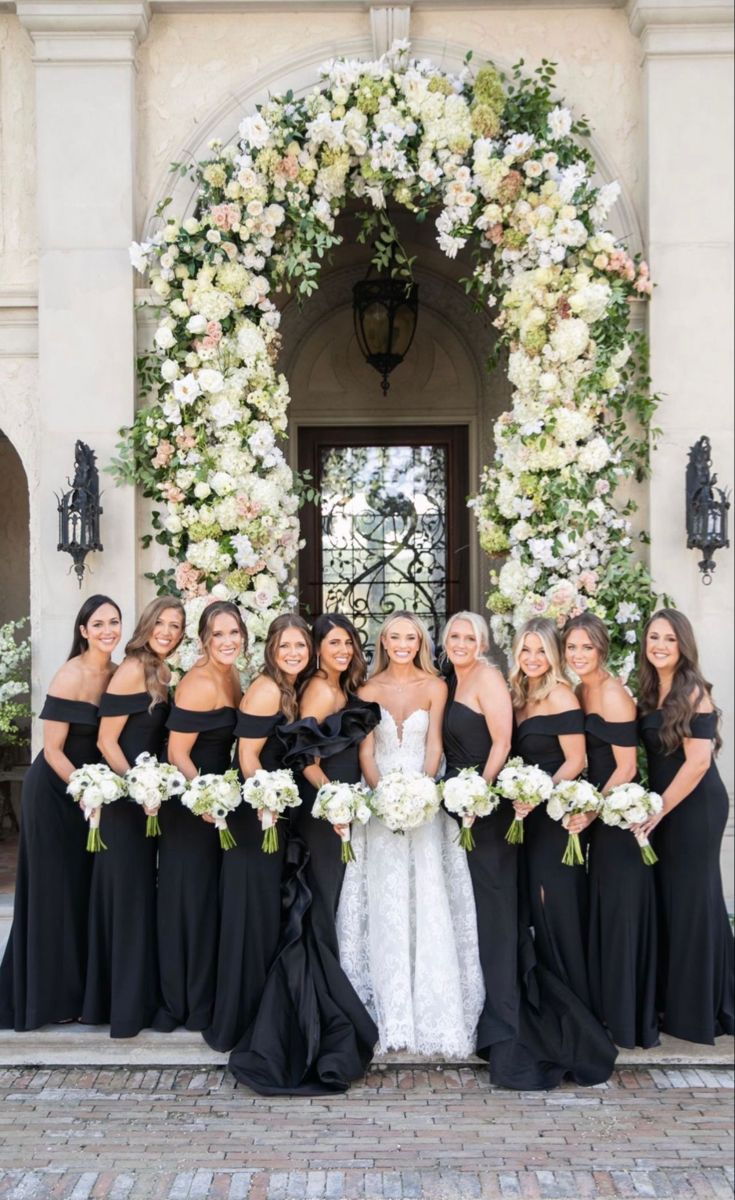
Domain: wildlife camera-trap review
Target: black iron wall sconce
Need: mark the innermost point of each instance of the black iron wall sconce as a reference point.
(706, 508)
(79, 510)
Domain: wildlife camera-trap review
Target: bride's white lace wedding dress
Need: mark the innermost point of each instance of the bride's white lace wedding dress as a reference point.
(406, 921)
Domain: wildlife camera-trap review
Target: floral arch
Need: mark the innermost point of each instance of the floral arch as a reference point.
(500, 167)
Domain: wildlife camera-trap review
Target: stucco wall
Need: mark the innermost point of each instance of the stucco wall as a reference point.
(18, 233)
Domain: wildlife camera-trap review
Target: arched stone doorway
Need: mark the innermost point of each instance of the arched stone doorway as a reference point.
(14, 535)
(436, 421)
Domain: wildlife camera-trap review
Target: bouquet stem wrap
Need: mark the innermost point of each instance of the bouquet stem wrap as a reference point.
(226, 840)
(152, 828)
(94, 837)
(648, 854)
(348, 854)
(573, 855)
(268, 821)
(515, 831)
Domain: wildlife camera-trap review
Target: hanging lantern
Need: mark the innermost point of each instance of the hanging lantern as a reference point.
(706, 508)
(79, 510)
(385, 311)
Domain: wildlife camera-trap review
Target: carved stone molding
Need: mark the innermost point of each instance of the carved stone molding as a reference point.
(387, 25)
(80, 31)
(682, 28)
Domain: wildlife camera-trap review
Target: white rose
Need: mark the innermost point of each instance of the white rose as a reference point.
(197, 323)
(211, 381)
(169, 370)
(164, 337)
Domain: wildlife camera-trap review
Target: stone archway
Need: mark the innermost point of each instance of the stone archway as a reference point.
(15, 597)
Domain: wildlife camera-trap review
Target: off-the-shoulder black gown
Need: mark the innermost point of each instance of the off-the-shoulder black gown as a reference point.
(695, 991)
(312, 1034)
(622, 919)
(189, 858)
(250, 901)
(122, 963)
(42, 973)
(556, 895)
(533, 1030)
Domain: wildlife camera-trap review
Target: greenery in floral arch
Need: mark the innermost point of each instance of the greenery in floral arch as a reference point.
(501, 168)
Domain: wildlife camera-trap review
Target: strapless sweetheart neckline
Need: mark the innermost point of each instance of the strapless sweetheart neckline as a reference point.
(400, 729)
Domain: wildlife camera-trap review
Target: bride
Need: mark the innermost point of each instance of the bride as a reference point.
(406, 920)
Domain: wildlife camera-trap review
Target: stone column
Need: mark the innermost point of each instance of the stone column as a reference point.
(687, 59)
(84, 56)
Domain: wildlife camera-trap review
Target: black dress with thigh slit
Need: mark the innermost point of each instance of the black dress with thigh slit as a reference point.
(556, 895)
(189, 859)
(622, 914)
(122, 965)
(533, 1031)
(695, 986)
(249, 900)
(312, 1034)
(42, 973)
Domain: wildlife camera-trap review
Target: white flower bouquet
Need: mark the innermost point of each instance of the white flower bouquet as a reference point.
(270, 793)
(91, 786)
(570, 798)
(341, 804)
(214, 796)
(528, 785)
(150, 782)
(405, 800)
(468, 795)
(630, 804)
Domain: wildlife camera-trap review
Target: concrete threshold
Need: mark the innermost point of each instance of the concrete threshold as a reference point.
(91, 1046)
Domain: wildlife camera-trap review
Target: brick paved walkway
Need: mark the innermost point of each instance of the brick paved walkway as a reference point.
(439, 1135)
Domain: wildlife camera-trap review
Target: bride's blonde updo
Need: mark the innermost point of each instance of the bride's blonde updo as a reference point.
(423, 659)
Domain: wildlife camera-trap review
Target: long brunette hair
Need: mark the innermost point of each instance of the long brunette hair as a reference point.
(216, 609)
(289, 688)
(86, 612)
(155, 672)
(354, 676)
(688, 686)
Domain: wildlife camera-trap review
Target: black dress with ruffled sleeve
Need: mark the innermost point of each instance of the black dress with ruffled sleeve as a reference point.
(42, 973)
(122, 964)
(556, 895)
(312, 1034)
(622, 918)
(533, 1031)
(250, 900)
(695, 985)
(189, 859)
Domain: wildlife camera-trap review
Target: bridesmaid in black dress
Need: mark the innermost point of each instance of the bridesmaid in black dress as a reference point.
(42, 973)
(477, 729)
(201, 731)
(622, 919)
(533, 1031)
(679, 728)
(122, 963)
(550, 734)
(312, 1034)
(250, 880)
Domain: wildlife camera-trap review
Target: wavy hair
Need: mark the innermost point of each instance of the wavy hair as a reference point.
(154, 668)
(424, 655)
(546, 631)
(354, 676)
(688, 687)
(595, 629)
(216, 609)
(289, 688)
(86, 612)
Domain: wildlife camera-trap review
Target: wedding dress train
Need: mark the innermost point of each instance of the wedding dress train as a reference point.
(406, 921)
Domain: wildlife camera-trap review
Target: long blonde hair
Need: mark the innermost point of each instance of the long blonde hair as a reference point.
(422, 660)
(547, 633)
(155, 671)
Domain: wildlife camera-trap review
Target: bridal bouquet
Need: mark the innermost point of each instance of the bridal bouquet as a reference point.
(270, 793)
(405, 800)
(214, 796)
(92, 786)
(341, 804)
(149, 783)
(570, 798)
(468, 795)
(526, 784)
(630, 804)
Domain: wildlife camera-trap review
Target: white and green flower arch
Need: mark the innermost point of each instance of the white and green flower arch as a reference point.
(501, 167)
